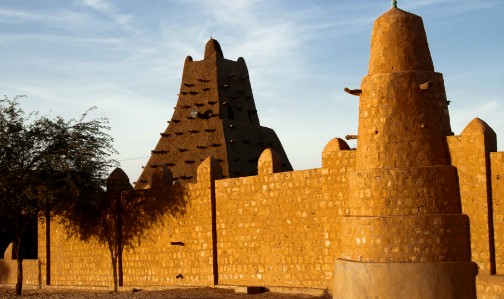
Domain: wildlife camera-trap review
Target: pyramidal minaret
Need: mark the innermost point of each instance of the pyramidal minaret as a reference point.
(215, 116)
(404, 234)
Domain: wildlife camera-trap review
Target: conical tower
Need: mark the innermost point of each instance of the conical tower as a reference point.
(404, 235)
(215, 116)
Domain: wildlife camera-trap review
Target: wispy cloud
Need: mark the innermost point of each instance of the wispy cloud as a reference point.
(450, 7)
(63, 39)
(99, 5)
(111, 12)
(15, 16)
(58, 16)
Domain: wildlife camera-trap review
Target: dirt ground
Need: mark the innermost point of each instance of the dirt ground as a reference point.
(189, 293)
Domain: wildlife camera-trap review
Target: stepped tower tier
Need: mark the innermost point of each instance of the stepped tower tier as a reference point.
(404, 226)
(403, 107)
(215, 116)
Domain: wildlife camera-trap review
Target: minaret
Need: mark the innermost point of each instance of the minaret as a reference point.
(404, 235)
(215, 116)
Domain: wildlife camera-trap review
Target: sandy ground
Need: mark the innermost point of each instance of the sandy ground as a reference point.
(189, 293)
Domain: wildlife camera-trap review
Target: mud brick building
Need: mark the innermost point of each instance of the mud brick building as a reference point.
(414, 211)
(215, 116)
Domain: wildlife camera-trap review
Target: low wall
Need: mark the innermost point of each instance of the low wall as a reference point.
(8, 270)
(74, 262)
(497, 160)
(180, 251)
(490, 286)
(275, 229)
(281, 229)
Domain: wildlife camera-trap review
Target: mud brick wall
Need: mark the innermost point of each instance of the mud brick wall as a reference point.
(481, 170)
(490, 286)
(470, 153)
(156, 261)
(275, 228)
(180, 251)
(74, 262)
(8, 270)
(497, 162)
(281, 229)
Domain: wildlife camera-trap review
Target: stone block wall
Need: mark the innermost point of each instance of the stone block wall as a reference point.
(74, 262)
(490, 286)
(281, 229)
(177, 252)
(470, 153)
(273, 229)
(8, 270)
(497, 163)
(180, 251)
(481, 170)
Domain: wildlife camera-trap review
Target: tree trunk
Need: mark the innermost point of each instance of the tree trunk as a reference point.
(118, 235)
(48, 247)
(119, 264)
(113, 257)
(19, 256)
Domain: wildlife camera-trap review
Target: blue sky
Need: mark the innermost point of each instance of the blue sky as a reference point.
(126, 58)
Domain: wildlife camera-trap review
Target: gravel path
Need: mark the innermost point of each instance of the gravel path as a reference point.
(187, 293)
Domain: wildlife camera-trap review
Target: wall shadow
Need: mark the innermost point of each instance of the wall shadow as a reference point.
(122, 216)
(4, 271)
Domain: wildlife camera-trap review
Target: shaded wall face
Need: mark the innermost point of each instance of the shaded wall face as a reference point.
(497, 164)
(237, 101)
(215, 116)
(468, 154)
(178, 251)
(74, 262)
(195, 130)
(8, 270)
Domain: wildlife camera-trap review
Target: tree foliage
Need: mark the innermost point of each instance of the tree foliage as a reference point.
(49, 166)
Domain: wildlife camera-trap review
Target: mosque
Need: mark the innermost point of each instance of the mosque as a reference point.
(415, 211)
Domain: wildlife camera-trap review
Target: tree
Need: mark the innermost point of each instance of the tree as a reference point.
(123, 216)
(48, 166)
